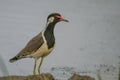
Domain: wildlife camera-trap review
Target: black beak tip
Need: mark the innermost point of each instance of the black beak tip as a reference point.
(66, 20)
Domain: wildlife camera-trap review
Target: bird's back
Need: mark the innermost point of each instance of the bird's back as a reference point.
(32, 46)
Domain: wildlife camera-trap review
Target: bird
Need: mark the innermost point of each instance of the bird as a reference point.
(42, 44)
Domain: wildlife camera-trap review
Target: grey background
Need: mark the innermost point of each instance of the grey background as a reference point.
(91, 37)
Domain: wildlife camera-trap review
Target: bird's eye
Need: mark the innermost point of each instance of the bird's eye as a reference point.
(59, 17)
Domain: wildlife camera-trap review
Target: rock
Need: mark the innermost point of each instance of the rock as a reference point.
(79, 77)
(47, 76)
(43, 76)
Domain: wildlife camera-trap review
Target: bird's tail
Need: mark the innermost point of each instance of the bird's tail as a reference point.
(13, 59)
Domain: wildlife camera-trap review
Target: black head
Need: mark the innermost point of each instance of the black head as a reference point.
(55, 17)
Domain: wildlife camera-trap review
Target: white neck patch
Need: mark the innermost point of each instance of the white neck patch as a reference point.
(51, 19)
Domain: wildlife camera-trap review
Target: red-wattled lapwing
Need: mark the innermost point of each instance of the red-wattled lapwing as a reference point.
(42, 44)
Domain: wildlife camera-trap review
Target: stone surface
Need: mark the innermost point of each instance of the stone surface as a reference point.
(79, 77)
(43, 76)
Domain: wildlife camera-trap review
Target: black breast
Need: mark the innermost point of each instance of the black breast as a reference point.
(49, 36)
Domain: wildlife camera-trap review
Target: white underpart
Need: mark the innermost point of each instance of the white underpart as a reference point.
(43, 50)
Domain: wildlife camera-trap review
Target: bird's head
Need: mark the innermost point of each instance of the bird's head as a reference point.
(55, 17)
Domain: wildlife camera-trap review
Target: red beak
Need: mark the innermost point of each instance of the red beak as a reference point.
(62, 19)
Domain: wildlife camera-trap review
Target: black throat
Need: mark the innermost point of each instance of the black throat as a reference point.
(49, 35)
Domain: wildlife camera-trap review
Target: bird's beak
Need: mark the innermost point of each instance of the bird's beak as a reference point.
(62, 19)
(65, 20)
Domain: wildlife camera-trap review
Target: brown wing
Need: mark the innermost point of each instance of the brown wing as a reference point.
(32, 46)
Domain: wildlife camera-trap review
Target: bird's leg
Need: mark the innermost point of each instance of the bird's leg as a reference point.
(40, 65)
(34, 71)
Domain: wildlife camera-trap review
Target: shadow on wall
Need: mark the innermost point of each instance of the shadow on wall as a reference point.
(3, 67)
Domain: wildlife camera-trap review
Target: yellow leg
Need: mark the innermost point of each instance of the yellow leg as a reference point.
(40, 65)
(34, 71)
